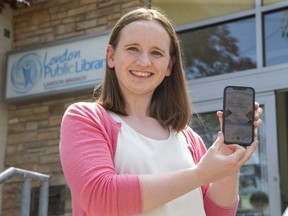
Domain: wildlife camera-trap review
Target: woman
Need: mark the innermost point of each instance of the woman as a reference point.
(131, 152)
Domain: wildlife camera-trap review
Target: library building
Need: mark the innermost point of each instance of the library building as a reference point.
(52, 54)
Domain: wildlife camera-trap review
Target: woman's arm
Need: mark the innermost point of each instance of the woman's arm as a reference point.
(220, 165)
(214, 167)
(86, 154)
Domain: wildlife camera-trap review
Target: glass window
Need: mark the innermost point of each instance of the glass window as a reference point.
(189, 11)
(219, 49)
(276, 37)
(253, 186)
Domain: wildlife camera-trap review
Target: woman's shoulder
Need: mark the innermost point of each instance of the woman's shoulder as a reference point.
(191, 133)
(89, 110)
(195, 140)
(85, 108)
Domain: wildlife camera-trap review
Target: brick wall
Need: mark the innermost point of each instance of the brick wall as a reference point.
(33, 127)
(5, 45)
(53, 20)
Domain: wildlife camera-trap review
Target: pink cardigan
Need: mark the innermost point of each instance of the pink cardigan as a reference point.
(87, 147)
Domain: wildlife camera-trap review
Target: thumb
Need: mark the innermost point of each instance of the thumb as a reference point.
(219, 141)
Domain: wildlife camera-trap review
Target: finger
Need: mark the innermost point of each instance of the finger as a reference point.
(256, 105)
(257, 123)
(255, 133)
(220, 118)
(258, 110)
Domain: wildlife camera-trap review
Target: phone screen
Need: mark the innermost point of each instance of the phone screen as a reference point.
(238, 115)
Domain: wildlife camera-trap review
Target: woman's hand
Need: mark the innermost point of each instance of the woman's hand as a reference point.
(223, 160)
(257, 120)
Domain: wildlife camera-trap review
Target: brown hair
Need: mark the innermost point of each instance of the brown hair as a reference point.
(170, 103)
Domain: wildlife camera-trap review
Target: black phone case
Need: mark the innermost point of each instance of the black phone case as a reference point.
(226, 113)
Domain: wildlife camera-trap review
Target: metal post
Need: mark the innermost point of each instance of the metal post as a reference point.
(26, 189)
(26, 197)
(43, 199)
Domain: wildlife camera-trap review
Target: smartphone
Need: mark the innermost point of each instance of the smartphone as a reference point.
(238, 115)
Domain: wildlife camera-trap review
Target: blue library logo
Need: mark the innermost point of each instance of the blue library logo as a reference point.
(26, 72)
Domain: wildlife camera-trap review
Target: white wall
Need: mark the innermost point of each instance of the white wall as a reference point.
(5, 46)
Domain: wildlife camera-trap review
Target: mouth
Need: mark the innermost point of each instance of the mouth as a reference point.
(141, 74)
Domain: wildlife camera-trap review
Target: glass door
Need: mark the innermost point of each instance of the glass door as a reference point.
(259, 181)
(282, 123)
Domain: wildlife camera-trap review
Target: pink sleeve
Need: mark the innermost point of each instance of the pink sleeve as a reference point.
(213, 209)
(86, 153)
(198, 149)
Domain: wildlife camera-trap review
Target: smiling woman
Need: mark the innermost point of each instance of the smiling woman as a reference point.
(140, 53)
(163, 48)
(131, 151)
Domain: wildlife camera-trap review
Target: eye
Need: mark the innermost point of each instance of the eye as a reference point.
(132, 49)
(157, 53)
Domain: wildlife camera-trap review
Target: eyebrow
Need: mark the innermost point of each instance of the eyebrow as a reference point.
(154, 47)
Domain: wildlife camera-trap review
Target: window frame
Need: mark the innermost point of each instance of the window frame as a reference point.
(206, 93)
(258, 12)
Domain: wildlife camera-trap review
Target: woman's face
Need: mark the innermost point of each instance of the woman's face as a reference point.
(141, 59)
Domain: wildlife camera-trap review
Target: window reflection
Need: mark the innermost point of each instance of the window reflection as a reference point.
(220, 49)
(276, 37)
(253, 182)
(207, 126)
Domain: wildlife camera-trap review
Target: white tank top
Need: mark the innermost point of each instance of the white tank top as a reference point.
(138, 154)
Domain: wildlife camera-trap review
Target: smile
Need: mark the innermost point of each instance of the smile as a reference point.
(141, 74)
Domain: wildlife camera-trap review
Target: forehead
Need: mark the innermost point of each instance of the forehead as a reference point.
(145, 31)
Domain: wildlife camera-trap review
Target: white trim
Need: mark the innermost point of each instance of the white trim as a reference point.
(269, 101)
(275, 6)
(259, 34)
(263, 80)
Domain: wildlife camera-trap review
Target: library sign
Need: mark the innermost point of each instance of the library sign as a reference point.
(78, 64)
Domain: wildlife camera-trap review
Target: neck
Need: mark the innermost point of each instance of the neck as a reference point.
(138, 106)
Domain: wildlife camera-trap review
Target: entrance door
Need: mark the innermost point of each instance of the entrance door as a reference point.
(282, 123)
(259, 177)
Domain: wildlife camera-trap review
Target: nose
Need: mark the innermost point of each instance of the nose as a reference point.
(143, 59)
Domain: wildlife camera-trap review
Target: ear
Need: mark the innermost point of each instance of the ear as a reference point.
(110, 56)
(170, 66)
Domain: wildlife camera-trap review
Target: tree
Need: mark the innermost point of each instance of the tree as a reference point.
(213, 51)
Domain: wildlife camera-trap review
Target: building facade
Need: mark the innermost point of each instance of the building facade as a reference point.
(60, 47)
(5, 46)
